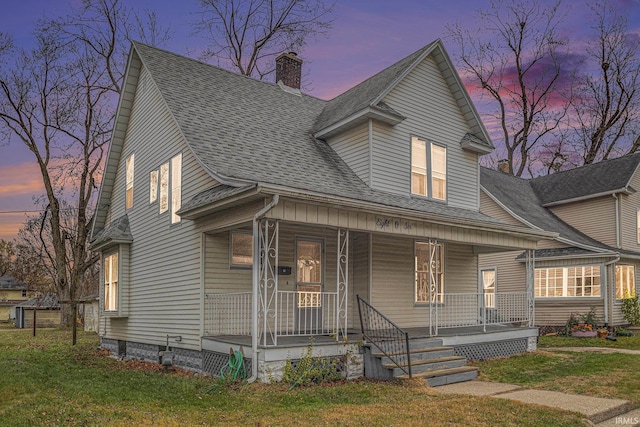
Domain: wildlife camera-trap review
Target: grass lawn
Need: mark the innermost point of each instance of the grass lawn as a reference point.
(47, 382)
(602, 375)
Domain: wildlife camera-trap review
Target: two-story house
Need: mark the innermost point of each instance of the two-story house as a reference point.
(593, 262)
(235, 212)
(12, 293)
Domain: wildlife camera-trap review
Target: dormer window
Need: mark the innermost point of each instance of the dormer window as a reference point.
(428, 169)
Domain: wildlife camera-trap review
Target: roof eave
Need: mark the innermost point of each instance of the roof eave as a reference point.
(476, 147)
(624, 190)
(573, 256)
(200, 211)
(369, 112)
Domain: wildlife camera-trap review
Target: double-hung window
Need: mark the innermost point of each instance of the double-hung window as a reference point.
(625, 281)
(110, 266)
(129, 182)
(428, 169)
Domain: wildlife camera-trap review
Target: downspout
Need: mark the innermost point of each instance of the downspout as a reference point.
(615, 196)
(606, 294)
(256, 288)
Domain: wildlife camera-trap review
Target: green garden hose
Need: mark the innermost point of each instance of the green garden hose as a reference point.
(234, 369)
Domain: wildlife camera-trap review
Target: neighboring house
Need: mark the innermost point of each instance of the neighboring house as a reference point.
(44, 309)
(594, 261)
(238, 212)
(12, 292)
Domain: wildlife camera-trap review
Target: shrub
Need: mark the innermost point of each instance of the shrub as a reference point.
(311, 370)
(631, 309)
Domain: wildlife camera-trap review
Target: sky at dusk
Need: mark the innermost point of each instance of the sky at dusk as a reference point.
(367, 36)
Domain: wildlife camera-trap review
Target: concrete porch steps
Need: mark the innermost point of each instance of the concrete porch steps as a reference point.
(430, 360)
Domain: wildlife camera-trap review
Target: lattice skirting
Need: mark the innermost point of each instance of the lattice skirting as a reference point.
(213, 362)
(493, 349)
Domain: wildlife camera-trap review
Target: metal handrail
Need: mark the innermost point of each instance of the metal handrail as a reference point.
(391, 340)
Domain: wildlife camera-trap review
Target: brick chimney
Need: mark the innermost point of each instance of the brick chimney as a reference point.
(289, 69)
(503, 166)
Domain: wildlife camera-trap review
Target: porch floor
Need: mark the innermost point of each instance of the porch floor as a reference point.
(354, 336)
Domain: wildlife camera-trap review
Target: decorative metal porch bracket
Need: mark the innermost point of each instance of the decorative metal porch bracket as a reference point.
(268, 283)
(530, 279)
(342, 286)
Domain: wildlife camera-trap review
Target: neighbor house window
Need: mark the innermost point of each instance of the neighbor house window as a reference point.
(110, 267)
(567, 282)
(24, 293)
(428, 172)
(129, 182)
(176, 187)
(241, 249)
(429, 270)
(153, 186)
(625, 281)
(488, 277)
(309, 272)
(164, 187)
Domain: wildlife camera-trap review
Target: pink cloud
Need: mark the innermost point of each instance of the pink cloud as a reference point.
(20, 179)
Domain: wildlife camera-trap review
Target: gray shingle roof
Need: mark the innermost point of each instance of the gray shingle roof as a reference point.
(44, 301)
(118, 230)
(212, 195)
(603, 177)
(365, 93)
(255, 132)
(518, 196)
(11, 283)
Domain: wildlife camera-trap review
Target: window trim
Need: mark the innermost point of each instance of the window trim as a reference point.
(443, 262)
(232, 265)
(153, 190)
(175, 203)
(129, 180)
(429, 177)
(495, 283)
(633, 287)
(565, 285)
(118, 282)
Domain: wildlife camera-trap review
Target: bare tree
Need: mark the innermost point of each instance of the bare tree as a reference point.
(518, 66)
(245, 35)
(58, 100)
(607, 108)
(7, 256)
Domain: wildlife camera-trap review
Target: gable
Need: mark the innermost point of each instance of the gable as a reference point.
(489, 207)
(432, 113)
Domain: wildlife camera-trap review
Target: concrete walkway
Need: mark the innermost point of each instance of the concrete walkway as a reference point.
(603, 350)
(598, 410)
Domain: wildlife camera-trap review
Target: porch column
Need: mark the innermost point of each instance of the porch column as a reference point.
(342, 287)
(530, 279)
(268, 280)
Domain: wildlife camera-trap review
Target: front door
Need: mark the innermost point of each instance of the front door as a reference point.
(309, 280)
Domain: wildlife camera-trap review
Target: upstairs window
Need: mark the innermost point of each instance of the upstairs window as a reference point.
(428, 169)
(176, 187)
(164, 187)
(129, 181)
(153, 186)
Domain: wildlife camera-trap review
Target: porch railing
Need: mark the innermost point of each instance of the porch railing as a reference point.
(227, 314)
(469, 309)
(391, 340)
(296, 313)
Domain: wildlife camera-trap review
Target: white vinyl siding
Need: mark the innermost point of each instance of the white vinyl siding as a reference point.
(163, 262)
(425, 99)
(353, 147)
(594, 217)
